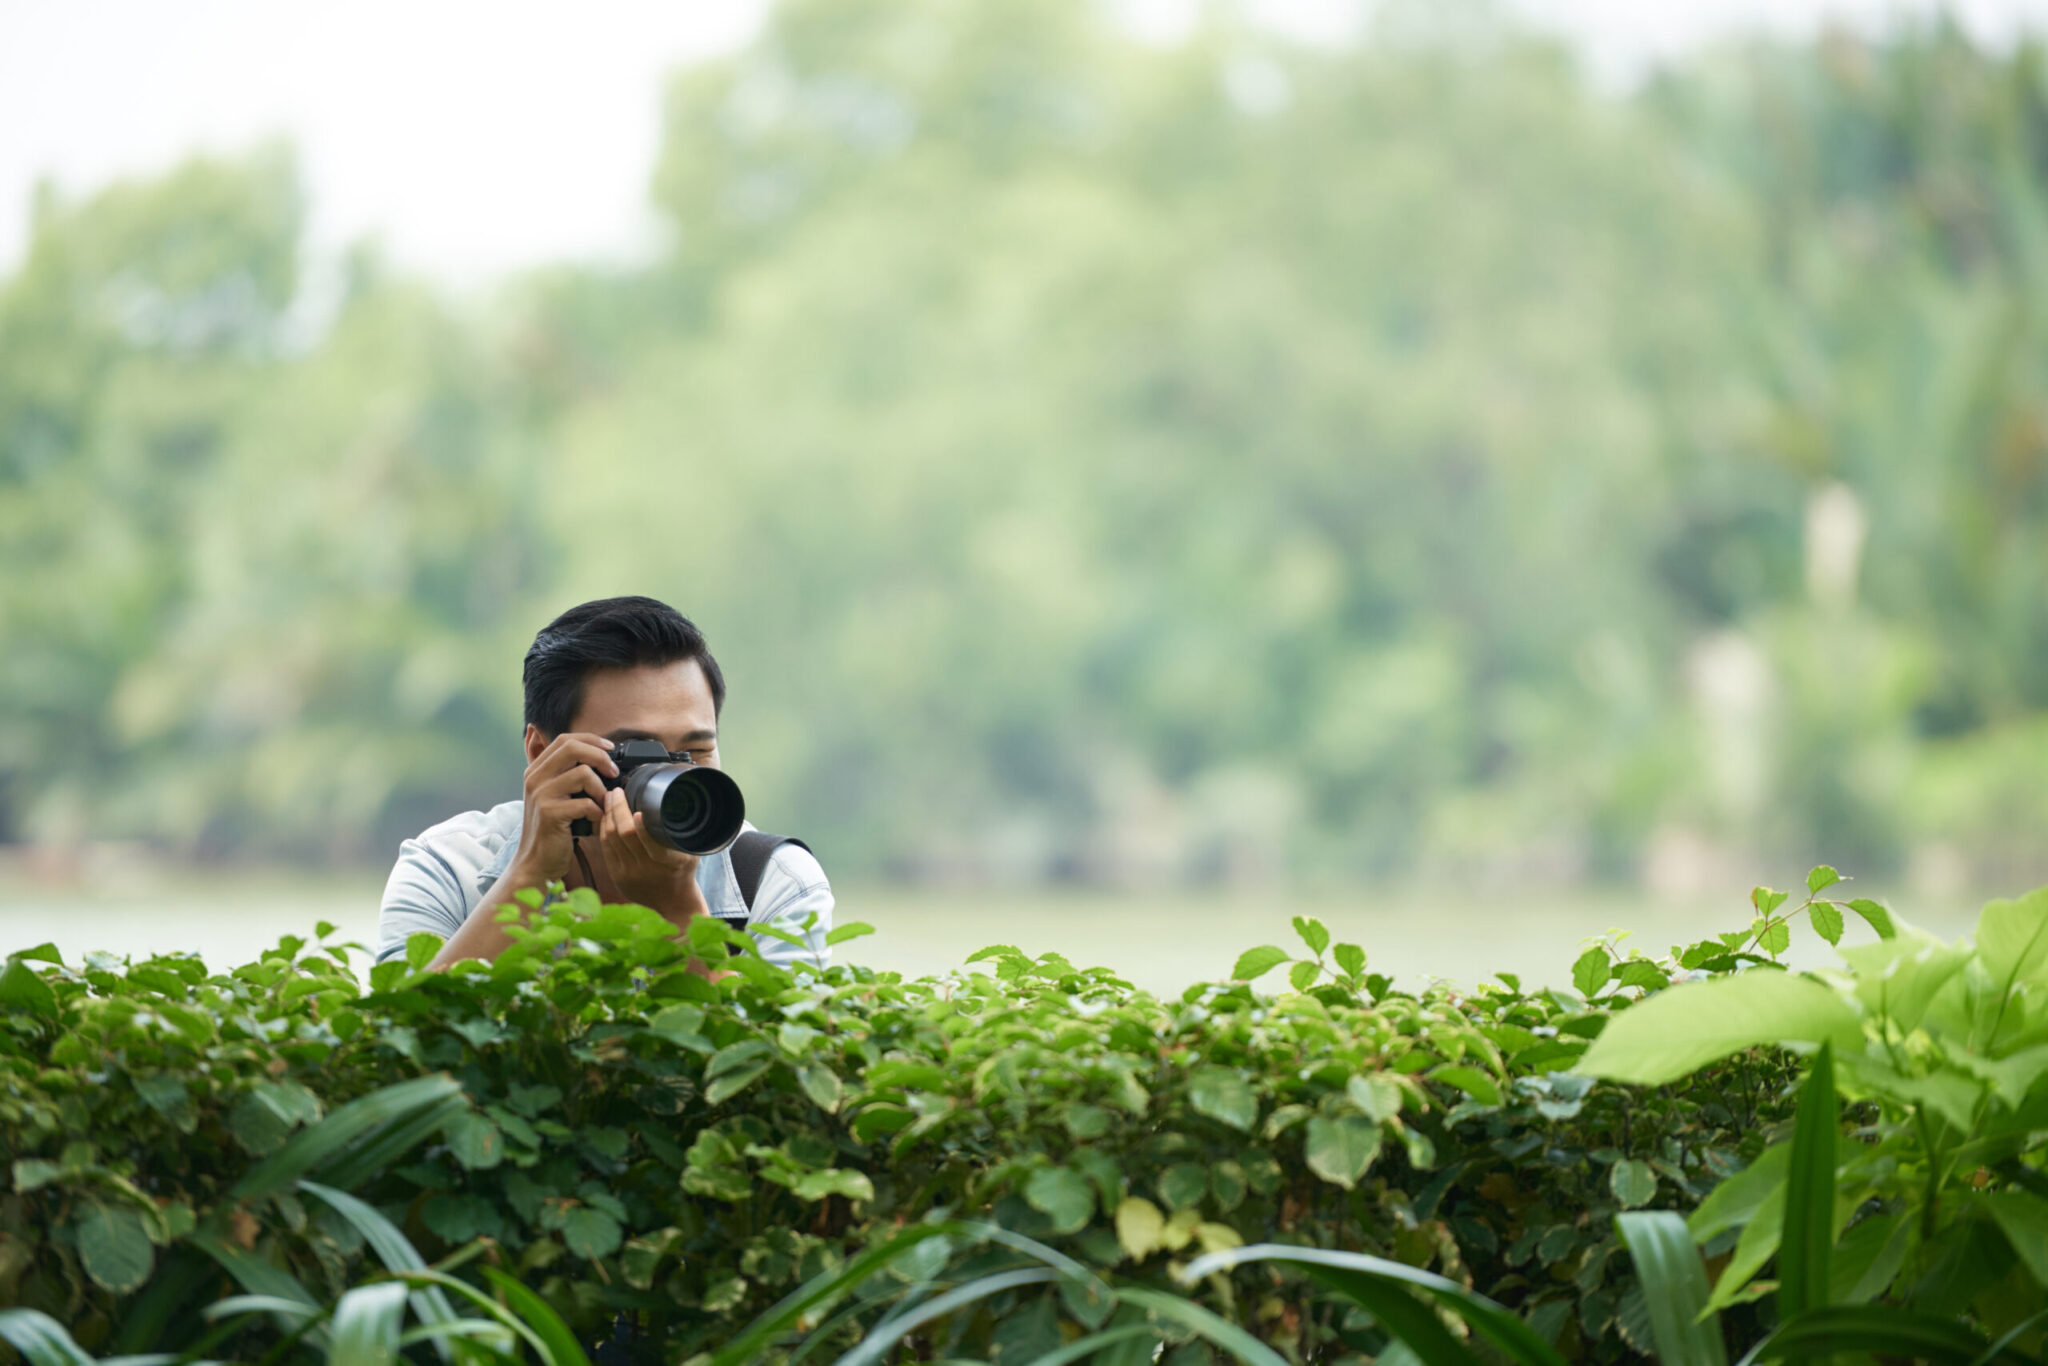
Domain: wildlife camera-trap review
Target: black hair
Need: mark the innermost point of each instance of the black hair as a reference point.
(611, 633)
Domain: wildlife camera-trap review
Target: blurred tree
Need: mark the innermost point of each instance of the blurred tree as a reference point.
(1101, 459)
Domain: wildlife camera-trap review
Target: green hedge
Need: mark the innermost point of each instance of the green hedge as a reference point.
(633, 1139)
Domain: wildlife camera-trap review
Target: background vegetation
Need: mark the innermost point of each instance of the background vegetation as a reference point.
(1100, 460)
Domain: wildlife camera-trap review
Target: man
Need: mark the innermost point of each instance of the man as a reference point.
(606, 672)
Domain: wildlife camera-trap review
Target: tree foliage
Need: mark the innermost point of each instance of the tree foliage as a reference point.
(1098, 459)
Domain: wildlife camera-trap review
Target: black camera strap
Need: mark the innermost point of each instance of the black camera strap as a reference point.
(750, 854)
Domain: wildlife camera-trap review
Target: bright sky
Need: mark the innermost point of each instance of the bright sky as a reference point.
(477, 136)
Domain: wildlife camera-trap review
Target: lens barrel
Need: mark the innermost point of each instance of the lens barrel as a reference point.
(689, 807)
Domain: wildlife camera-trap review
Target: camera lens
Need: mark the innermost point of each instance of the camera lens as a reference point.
(688, 807)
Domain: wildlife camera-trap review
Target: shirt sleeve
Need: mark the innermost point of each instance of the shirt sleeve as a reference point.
(794, 897)
(424, 892)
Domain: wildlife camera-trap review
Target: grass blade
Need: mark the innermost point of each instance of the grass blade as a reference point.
(1381, 1286)
(1219, 1331)
(785, 1313)
(259, 1304)
(545, 1323)
(1808, 1240)
(895, 1328)
(41, 1340)
(1881, 1329)
(331, 1137)
(1094, 1342)
(383, 1146)
(1674, 1281)
(366, 1324)
(393, 1249)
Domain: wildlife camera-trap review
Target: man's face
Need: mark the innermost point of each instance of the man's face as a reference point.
(670, 703)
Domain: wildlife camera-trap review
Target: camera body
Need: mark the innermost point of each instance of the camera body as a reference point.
(689, 807)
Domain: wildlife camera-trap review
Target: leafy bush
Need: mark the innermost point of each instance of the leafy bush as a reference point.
(630, 1139)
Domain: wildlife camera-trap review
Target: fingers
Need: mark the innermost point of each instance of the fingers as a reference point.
(569, 751)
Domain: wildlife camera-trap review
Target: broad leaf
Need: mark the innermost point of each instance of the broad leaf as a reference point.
(1678, 1031)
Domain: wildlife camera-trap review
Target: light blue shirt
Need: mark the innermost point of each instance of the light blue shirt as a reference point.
(442, 875)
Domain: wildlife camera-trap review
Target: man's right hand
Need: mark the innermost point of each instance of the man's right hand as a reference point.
(559, 787)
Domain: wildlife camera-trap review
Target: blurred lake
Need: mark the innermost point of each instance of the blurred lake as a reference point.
(1159, 941)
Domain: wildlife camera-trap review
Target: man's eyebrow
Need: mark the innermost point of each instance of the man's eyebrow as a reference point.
(630, 733)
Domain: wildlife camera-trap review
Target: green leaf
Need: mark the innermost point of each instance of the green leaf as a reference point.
(1255, 963)
(591, 1233)
(366, 1325)
(1312, 933)
(1204, 1324)
(1776, 939)
(734, 1056)
(821, 1084)
(1062, 1195)
(113, 1243)
(1809, 1236)
(732, 1083)
(1765, 900)
(892, 1330)
(1183, 1185)
(33, 1173)
(2023, 1219)
(1822, 878)
(1633, 1183)
(392, 1247)
(558, 1344)
(1379, 1097)
(1826, 919)
(474, 1141)
(1891, 1333)
(23, 988)
(1139, 1223)
(1737, 1199)
(1591, 971)
(834, 1181)
(1674, 1032)
(1876, 916)
(1675, 1290)
(2012, 937)
(1385, 1288)
(41, 1340)
(1340, 1149)
(1470, 1080)
(852, 929)
(1351, 959)
(1224, 1096)
(1303, 974)
(374, 1131)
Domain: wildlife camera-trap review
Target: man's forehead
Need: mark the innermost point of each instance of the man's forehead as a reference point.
(650, 698)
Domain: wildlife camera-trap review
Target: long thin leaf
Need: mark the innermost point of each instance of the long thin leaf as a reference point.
(259, 1277)
(562, 1347)
(1893, 1332)
(260, 1304)
(497, 1311)
(327, 1140)
(896, 1327)
(1674, 1281)
(393, 1249)
(1094, 1342)
(367, 1320)
(790, 1309)
(1805, 1246)
(41, 1340)
(1190, 1315)
(383, 1146)
(1379, 1285)
(2012, 1335)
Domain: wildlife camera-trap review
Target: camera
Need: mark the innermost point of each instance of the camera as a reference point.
(689, 808)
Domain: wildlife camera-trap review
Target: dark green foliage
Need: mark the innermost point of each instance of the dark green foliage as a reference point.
(628, 1137)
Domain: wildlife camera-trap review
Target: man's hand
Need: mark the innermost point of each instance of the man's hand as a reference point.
(644, 871)
(562, 786)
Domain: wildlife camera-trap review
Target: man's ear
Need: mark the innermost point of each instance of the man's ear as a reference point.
(535, 742)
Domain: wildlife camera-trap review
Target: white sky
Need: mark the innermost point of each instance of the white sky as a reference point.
(477, 136)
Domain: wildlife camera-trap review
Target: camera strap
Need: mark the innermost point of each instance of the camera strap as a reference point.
(750, 854)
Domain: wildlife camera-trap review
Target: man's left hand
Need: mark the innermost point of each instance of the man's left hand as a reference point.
(646, 872)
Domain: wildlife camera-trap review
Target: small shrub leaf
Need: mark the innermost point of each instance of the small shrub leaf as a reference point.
(1253, 964)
